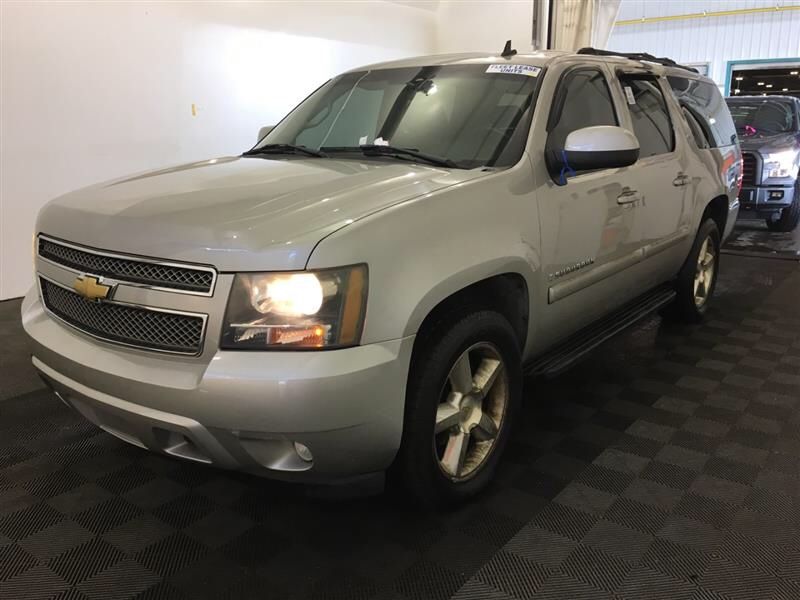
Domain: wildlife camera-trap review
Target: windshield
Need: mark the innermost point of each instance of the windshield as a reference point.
(762, 117)
(467, 114)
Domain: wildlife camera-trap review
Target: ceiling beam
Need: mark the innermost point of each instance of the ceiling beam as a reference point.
(707, 14)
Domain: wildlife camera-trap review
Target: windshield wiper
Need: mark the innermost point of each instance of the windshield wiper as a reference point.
(381, 150)
(284, 149)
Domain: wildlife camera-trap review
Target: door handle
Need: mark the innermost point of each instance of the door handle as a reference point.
(681, 179)
(628, 196)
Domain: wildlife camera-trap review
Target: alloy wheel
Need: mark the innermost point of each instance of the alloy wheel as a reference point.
(705, 272)
(471, 410)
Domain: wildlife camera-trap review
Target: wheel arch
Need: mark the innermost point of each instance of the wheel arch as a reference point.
(716, 209)
(506, 292)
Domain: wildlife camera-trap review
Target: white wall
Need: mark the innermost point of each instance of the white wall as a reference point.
(91, 91)
(715, 40)
(484, 25)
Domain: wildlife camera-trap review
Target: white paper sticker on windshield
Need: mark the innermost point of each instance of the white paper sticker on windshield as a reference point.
(528, 70)
(629, 94)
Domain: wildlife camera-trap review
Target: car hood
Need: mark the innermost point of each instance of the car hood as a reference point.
(237, 213)
(770, 143)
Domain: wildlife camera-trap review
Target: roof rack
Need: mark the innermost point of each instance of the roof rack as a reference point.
(640, 56)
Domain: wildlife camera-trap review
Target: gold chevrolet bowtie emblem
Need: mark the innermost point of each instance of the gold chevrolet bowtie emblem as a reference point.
(90, 288)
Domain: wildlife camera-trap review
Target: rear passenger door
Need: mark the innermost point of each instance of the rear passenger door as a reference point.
(661, 176)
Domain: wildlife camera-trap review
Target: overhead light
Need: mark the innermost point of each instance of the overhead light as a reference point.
(769, 85)
(760, 83)
(739, 78)
(785, 90)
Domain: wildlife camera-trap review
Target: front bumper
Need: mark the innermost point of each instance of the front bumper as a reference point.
(766, 198)
(236, 410)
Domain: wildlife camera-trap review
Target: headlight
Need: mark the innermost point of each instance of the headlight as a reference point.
(296, 310)
(780, 164)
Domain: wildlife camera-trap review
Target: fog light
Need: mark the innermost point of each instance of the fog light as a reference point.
(303, 452)
(776, 195)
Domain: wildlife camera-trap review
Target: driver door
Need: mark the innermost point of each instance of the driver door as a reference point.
(590, 221)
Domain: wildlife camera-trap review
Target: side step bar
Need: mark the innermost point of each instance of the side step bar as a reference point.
(575, 347)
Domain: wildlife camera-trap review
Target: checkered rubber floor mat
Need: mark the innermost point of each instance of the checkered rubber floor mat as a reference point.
(665, 466)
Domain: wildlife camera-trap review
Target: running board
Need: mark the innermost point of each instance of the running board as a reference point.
(575, 347)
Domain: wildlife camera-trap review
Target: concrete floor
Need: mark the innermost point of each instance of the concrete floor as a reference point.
(667, 465)
(752, 237)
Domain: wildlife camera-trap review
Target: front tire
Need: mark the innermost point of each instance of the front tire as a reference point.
(464, 388)
(789, 217)
(697, 279)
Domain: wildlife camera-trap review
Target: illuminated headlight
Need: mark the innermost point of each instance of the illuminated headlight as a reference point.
(296, 310)
(780, 164)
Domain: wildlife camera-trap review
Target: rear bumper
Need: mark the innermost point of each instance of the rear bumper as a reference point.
(766, 198)
(238, 410)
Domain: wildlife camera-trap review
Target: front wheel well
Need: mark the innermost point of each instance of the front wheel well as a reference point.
(506, 293)
(717, 210)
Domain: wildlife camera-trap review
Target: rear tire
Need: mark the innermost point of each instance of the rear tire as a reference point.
(697, 279)
(465, 381)
(789, 217)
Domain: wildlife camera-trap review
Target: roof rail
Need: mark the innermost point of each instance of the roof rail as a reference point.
(640, 56)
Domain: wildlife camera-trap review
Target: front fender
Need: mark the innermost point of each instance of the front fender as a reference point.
(423, 251)
(462, 280)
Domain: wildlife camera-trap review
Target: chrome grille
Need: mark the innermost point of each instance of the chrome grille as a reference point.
(122, 268)
(749, 168)
(125, 324)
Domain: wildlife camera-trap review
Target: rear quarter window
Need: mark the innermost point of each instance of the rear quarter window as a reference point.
(701, 137)
(707, 104)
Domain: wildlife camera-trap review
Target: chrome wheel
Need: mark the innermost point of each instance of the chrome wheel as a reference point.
(471, 410)
(704, 274)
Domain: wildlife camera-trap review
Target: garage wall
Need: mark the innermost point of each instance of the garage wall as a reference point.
(91, 91)
(715, 40)
(484, 25)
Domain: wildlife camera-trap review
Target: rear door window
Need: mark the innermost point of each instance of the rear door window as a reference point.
(649, 115)
(708, 105)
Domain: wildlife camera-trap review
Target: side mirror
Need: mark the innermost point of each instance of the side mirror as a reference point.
(262, 133)
(600, 147)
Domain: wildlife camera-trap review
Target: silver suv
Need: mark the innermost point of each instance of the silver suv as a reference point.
(363, 290)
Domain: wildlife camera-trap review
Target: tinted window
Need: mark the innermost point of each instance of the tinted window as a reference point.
(708, 105)
(465, 113)
(700, 136)
(762, 117)
(649, 114)
(583, 100)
